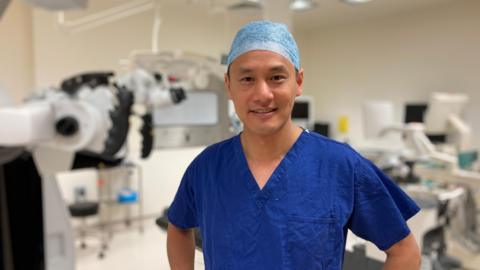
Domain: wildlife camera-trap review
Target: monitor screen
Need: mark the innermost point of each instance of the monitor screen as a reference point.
(322, 128)
(300, 109)
(414, 113)
(303, 113)
(200, 108)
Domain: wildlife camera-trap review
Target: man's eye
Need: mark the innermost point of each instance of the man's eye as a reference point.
(246, 79)
(278, 78)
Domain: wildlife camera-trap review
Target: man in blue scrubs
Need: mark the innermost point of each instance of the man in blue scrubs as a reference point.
(277, 196)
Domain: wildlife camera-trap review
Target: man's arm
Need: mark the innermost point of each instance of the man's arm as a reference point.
(180, 248)
(404, 255)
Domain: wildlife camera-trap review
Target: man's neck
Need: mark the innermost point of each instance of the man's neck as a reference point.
(266, 148)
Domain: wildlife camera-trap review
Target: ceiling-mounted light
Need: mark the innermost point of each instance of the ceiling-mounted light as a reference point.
(302, 5)
(355, 2)
(246, 4)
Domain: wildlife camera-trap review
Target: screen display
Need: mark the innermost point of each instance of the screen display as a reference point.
(200, 108)
(415, 113)
(300, 110)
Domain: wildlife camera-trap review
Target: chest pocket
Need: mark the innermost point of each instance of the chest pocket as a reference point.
(311, 243)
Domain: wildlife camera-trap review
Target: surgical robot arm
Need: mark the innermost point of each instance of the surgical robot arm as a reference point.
(87, 114)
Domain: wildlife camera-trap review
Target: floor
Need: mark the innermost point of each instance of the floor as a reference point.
(131, 249)
(470, 260)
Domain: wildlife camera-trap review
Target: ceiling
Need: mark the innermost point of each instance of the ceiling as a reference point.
(330, 12)
(327, 12)
(333, 12)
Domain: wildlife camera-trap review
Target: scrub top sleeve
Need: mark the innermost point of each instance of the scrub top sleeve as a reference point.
(381, 208)
(182, 211)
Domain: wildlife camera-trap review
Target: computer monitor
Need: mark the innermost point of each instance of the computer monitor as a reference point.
(415, 112)
(322, 128)
(303, 113)
(444, 117)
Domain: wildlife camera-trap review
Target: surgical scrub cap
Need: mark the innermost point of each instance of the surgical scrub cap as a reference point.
(265, 35)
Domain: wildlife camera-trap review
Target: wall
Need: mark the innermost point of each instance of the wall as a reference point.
(16, 47)
(59, 55)
(402, 58)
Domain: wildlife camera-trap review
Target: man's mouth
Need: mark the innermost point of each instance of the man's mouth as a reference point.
(263, 112)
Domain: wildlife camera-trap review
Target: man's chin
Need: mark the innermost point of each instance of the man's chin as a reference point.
(264, 130)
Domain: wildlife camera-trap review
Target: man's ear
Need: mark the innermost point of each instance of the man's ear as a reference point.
(226, 78)
(299, 81)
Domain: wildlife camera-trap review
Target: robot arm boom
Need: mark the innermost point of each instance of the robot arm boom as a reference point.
(26, 125)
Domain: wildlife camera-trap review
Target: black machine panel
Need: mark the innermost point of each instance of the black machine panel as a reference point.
(21, 215)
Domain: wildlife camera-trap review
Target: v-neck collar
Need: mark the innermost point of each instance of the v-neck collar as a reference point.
(277, 174)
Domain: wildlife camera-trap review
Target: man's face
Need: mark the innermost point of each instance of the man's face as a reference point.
(263, 86)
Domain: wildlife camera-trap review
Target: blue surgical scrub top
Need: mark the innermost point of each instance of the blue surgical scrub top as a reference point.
(300, 218)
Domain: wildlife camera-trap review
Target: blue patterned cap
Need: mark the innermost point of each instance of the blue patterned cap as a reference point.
(265, 35)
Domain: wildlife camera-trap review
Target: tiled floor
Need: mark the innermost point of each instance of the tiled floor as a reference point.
(130, 249)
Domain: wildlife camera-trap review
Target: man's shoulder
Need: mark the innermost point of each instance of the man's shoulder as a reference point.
(326, 146)
(216, 151)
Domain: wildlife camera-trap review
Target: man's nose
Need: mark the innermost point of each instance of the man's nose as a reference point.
(263, 92)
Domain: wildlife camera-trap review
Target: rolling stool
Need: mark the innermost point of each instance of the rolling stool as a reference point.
(83, 210)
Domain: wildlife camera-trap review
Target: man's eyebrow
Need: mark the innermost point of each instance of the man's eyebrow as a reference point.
(243, 70)
(280, 68)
